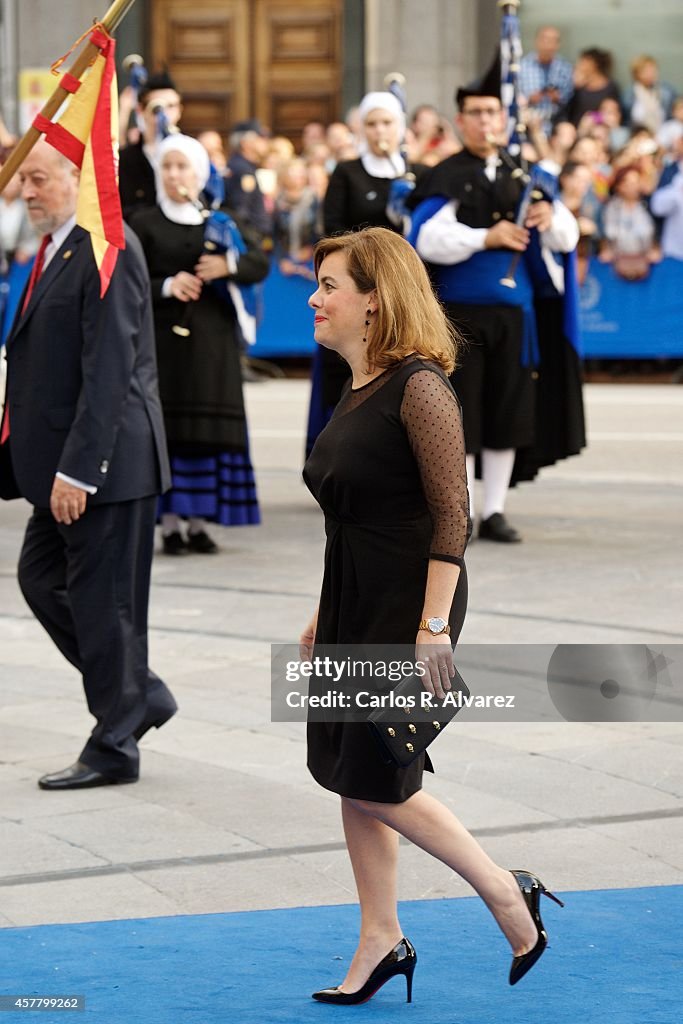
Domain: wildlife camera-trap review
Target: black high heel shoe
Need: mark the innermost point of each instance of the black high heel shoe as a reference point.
(401, 960)
(532, 888)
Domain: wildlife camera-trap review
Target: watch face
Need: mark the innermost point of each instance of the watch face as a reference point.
(436, 625)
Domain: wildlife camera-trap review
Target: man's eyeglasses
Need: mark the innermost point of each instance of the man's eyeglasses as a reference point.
(482, 112)
(155, 106)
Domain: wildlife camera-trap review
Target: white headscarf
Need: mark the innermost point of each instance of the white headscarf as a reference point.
(182, 213)
(392, 165)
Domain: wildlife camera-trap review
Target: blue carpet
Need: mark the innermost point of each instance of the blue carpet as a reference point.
(615, 955)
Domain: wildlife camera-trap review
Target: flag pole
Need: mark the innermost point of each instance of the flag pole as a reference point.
(111, 20)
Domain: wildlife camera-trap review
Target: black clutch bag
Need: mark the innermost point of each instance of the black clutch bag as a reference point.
(405, 729)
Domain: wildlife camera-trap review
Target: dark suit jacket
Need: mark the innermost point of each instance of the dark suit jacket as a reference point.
(82, 382)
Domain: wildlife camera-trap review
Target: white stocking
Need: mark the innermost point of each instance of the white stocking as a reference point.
(496, 470)
(170, 523)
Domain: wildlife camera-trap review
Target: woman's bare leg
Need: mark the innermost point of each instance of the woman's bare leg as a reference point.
(431, 826)
(373, 848)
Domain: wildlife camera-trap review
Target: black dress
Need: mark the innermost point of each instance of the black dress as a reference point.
(389, 473)
(355, 199)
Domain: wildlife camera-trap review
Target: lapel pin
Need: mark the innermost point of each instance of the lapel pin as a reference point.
(67, 254)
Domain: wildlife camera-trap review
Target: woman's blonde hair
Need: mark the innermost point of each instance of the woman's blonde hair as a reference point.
(410, 318)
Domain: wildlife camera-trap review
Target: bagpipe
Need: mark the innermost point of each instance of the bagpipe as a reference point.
(137, 79)
(222, 237)
(401, 186)
(539, 185)
(214, 190)
(137, 72)
(164, 128)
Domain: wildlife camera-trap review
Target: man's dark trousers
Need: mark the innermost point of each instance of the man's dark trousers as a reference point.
(101, 627)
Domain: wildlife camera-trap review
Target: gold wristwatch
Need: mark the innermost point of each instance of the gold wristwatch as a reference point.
(435, 626)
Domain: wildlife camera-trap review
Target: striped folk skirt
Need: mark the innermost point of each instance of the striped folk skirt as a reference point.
(219, 488)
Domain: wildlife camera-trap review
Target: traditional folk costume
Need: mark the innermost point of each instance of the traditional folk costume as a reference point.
(199, 376)
(455, 206)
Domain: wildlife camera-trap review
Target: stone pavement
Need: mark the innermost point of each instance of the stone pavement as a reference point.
(225, 816)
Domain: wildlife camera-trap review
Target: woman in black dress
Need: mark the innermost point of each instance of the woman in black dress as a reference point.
(389, 473)
(357, 197)
(200, 380)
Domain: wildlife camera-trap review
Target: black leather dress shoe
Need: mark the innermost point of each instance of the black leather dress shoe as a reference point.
(155, 722)
(201, 543)
(497, 528)
(79, 776)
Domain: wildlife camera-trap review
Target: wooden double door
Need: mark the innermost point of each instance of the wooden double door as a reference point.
(277, 60)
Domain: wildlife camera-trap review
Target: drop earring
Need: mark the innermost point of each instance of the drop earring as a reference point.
(367, 324)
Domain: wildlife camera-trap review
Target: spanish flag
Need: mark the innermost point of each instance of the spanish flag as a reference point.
(87, 133)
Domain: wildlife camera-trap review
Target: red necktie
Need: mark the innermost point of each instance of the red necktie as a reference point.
(35, 274)
(36, 271)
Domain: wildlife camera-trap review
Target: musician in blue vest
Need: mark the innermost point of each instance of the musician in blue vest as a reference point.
(464, 227)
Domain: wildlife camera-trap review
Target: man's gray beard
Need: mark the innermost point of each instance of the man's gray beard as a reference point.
(49, 224)
(45, 226)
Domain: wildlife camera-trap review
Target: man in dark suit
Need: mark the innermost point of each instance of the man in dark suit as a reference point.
(83, 441)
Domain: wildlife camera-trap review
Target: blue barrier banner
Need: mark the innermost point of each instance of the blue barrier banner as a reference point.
(632, 319)
(12, 285)
(287, 325)
(619, 319)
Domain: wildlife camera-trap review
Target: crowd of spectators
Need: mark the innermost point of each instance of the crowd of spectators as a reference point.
(617, 155)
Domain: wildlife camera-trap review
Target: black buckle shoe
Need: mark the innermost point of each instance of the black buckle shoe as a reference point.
(201, 543)
(173, 544)
(497, 528)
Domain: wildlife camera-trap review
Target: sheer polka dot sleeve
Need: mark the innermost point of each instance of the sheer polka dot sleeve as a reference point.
(431, 416)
